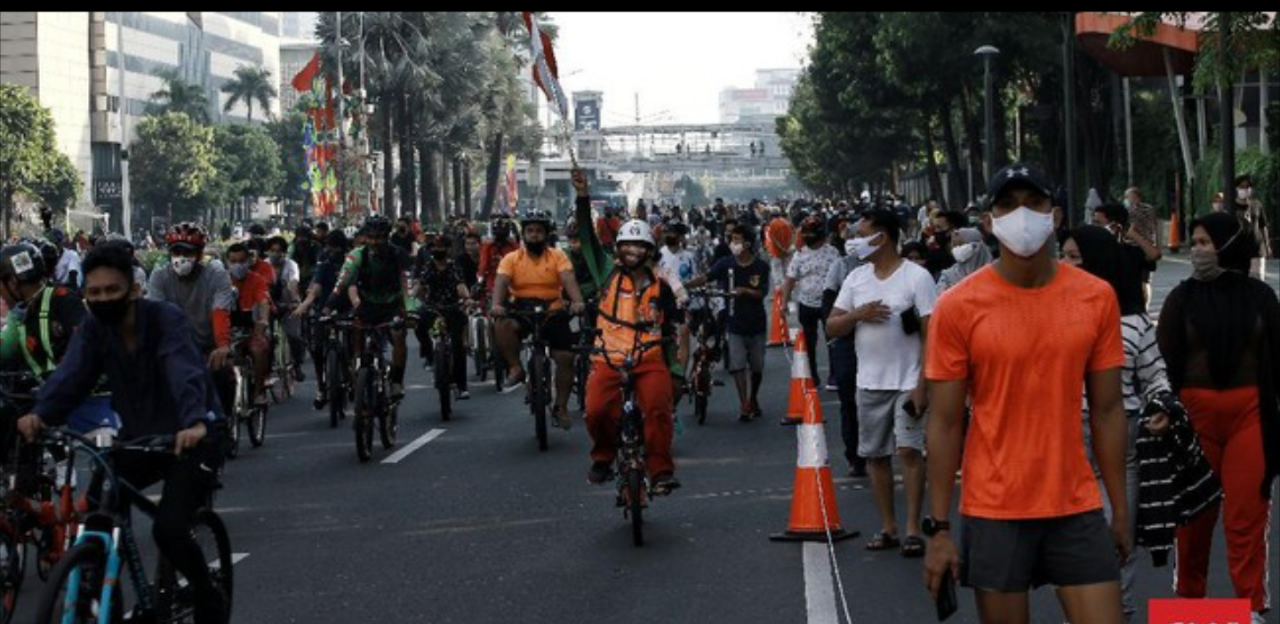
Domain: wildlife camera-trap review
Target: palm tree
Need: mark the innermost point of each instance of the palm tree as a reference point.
(251, 84)
(180, 96)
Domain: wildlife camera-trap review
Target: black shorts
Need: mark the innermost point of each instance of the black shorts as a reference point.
(1014, 556)
(370, 314)
(555, 330)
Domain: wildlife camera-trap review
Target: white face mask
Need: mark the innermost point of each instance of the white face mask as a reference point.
(183, 266)
(862, 247)
(964, 252)
(1024, 231)
(736, 248)
(1244, 193)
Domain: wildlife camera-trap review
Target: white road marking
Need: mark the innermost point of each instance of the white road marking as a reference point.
(413, 446)
(819, 596)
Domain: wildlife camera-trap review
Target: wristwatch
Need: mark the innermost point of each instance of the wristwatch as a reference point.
(931, 526)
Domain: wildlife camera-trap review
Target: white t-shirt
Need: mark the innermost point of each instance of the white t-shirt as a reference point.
(68, 262)
(809, 268)
(677, 268)
(888, 359)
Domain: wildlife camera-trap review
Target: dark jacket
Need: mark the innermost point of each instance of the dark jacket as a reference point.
(160, 389)
(1175, 481)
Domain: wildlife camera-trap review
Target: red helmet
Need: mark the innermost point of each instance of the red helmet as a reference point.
(188, 234)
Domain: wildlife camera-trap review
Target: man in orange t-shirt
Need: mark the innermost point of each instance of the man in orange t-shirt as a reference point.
(1021, 338)
(536, 274)
(253, 311)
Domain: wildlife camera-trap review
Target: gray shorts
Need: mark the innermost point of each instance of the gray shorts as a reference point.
(745, 351)
(1017, 555)
(884, 425)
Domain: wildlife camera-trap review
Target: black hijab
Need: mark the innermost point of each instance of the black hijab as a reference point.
(1109, 260)
(1222, 310)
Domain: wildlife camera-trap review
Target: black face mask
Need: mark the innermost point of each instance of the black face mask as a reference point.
(672, 241)
(942, 238)
(440, 255)
(111, 311)
(535, 248)
(812, 240)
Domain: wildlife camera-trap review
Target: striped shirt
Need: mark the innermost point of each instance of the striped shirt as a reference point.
(1143, 376)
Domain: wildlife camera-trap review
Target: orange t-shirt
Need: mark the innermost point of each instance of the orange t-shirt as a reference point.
(252, 290)
(780, 237)
(1025, 353)
(536, 278)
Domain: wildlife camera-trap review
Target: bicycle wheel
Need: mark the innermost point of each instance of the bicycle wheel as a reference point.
(480, 350)
(76, 583)
(364, 408)
(337, 393)
(701, 394)
(12, 569)
(635, 505)
(238, 412)
(444, 377)
(257, 425)
(174, 595)
(581, 369)
(539, 406)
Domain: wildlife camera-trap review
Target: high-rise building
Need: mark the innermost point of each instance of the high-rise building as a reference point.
(766, 100)
(298, 26)
(293, 58)
(72, 61)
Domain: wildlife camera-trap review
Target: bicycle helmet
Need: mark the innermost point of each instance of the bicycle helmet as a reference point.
(636, 231)
(22, 261)
(537, 216)
(186, 235)
(377, 226)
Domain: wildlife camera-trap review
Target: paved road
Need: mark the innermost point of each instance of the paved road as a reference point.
(477, 525)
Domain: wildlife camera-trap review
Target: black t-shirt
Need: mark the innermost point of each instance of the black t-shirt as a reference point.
(441, 284)
(326, 277)
(66, 311)
(468, 269)
(746, 315)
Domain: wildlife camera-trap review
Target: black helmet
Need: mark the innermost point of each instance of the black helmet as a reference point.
(377, 226)
(257, 229)
(337, 238)
(537, 216)
(23, 261)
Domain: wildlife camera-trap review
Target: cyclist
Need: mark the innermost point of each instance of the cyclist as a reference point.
(493, 251)
(607, 226)
(326, 277)
(305, 251)
(469, 260)
(441, 284)
(637, 309)
(204, 293)
(160, 386)
(535, 274)
(402, 237)
(375, 279)
(285, 294)
(252, 311)
(67, 269)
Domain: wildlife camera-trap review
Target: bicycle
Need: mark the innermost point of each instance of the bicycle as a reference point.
(282, 383)
(708, 351)
(632, 478)
(337, 370)
(539, 365)
(373, 400)
(442, 357)
(252, 415)
(84, 587)
(582, 360)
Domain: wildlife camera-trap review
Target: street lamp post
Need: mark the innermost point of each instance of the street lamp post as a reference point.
(988, 146)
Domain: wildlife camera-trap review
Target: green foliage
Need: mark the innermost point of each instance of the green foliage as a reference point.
(171, 162)
(287, 134)
(59, 187)
(1264, 169)
(250, 85)
(178, 95)
(30, 162)
(1254, 42)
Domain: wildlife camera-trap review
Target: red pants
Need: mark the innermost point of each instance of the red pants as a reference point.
(604, 411)
(1229, 426)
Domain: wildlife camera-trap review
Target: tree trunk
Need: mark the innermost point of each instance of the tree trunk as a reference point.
(466, 187)
(972, 135)
(388, 162)
(935, 179)
(955, 185)
(999, 112)
(446, 184)
(408, 192)
(456, 162)
(425, 169)
(491, 175)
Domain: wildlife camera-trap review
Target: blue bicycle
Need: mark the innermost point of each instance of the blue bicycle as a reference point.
(85, 586)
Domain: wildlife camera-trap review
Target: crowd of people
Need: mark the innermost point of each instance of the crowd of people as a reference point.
(997, 342)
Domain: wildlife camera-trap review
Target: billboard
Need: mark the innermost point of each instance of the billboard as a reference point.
(586, 115)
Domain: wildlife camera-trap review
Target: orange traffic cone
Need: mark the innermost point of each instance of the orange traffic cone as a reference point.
(1175, 232)
(801, 384)
(814, 513)
(778, 325)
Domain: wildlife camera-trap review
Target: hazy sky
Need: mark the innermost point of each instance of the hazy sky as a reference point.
(677, 62)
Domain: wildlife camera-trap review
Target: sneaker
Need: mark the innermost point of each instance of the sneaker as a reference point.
(830, 387)
(599, 473)
(320, 401)
(463, 395)
(664, 483)
(563, 420)
(513, 383)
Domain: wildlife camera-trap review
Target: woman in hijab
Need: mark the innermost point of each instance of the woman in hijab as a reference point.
(1219, 332)
(970, 254)
(1142, 379)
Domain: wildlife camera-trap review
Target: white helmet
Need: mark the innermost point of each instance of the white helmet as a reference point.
(635, 230)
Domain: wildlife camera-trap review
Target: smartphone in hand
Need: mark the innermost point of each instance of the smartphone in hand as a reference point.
(946, 602)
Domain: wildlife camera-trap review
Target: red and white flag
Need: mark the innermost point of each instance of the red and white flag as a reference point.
(544, 66)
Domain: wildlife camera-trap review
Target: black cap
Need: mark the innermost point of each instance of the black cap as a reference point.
(1018, 174)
